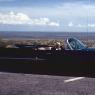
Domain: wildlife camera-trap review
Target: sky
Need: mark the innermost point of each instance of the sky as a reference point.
(47, 15)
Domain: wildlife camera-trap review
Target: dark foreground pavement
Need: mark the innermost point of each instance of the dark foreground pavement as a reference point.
(31, 84)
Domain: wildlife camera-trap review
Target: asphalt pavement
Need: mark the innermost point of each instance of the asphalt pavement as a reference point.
(34, 84)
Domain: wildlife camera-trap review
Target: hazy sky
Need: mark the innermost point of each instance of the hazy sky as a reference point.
(47, 15)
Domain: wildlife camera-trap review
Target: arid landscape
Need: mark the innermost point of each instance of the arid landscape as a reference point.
(7, 43)
(9, 39)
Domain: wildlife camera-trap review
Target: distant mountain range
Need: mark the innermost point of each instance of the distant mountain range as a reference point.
(46, 35)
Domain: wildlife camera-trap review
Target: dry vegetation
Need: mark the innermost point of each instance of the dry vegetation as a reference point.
(11, 43)
(89, 43)
(51, 42)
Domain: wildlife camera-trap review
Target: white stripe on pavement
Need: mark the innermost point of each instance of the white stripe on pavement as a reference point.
(74, 79)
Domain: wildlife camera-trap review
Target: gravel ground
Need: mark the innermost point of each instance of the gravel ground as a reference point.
(33, 84)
